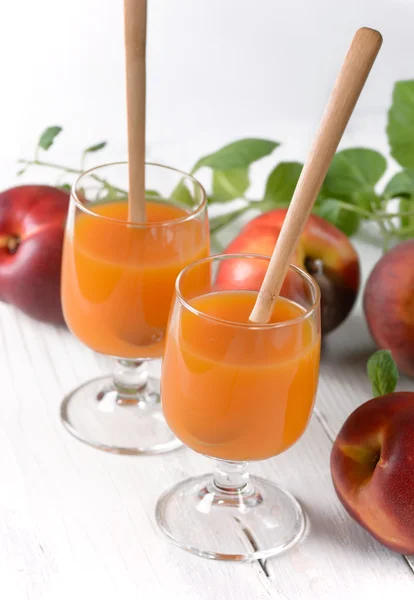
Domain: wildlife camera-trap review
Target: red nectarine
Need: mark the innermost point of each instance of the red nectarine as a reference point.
(389, 304)
(372, 466)
(324, 252)
(32, 219)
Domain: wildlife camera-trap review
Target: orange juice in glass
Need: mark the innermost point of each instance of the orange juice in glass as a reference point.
(117, 285)
(237, 391)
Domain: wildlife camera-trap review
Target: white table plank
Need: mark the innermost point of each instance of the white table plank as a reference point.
(75, 520)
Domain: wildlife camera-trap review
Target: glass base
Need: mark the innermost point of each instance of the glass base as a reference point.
(258, 523)
(97, 414)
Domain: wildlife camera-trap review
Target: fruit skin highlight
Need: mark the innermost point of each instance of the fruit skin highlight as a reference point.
(372, 467)
(323, 251)
(32, 220)
(389, 304)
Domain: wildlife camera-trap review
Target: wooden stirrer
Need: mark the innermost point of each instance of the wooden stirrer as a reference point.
(348, 86)
(135, 14)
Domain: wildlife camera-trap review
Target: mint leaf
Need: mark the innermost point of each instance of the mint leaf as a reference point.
(48, 137)
(112, 194)
(402, 184)
(400, 128)
(407, 220)
(281, 183)
(334, 211)
(95, 148)
(182, 194)
(152, 194)
(367, 200)
(228, 185)
(221, 221)
(237, 154)
(321, 197)
(382, 372)
(353, 170)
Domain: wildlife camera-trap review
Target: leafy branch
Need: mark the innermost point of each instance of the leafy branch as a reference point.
(349, 195)
(46, 141)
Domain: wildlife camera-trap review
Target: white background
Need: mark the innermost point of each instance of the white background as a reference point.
(75, 522)
(217, 70)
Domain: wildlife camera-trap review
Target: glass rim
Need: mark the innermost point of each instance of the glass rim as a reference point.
(308, 313)
(139, 224)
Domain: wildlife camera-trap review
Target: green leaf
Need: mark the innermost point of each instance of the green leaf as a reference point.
(407, 206)
(367, 200)
(95, 148)
(402, 184)
(228, 185)
(353, 170)
(21, 171)
(281, 183)
(221, 221)
(323, 195)
(382, 372)
(66, 187)
(152, 194)
(335, 212)
(182, 194)
(400, 128)
(111, 194)
(237, 154)
(48, 137)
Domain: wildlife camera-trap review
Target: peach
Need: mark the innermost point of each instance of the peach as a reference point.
(324, 252)
(32, 219)
(389, 304)
(372, 466)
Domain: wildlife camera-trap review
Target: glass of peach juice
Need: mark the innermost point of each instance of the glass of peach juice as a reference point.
(117, 285)
(237, 391)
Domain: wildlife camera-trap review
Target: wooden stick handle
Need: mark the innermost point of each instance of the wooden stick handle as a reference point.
(135, 12)
(348, 86)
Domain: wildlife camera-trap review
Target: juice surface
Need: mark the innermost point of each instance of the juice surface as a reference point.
(239, 393)
(118, 281)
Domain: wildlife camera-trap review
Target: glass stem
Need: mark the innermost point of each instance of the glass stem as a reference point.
(130, 379)
(232, 478)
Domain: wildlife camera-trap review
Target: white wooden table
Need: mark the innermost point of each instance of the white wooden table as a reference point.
(78, 523)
